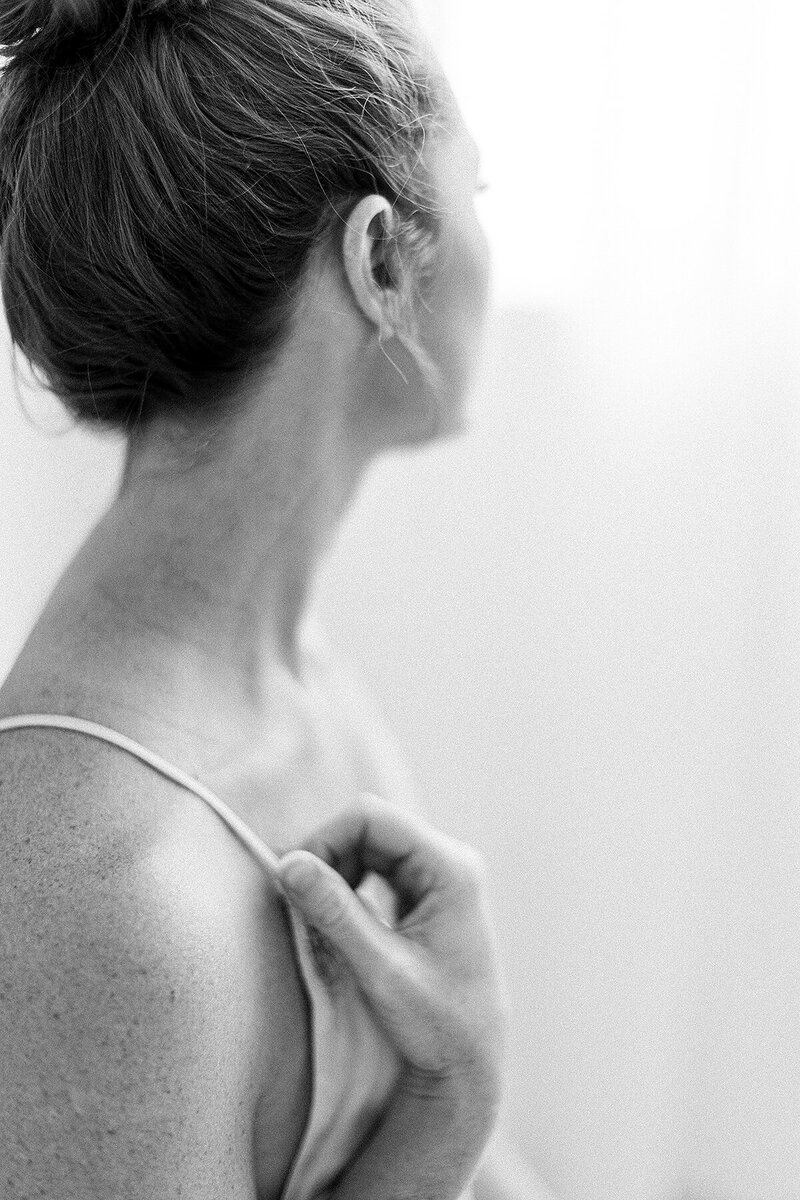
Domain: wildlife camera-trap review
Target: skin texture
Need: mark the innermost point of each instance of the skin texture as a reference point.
(153, 1029)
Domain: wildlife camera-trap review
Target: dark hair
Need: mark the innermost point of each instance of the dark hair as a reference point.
(166, 167)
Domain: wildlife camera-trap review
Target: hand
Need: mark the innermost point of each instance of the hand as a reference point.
(432, 980)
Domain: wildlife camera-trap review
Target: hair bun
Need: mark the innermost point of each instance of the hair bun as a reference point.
(41, 26)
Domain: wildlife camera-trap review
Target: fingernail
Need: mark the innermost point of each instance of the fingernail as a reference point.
(297, 873)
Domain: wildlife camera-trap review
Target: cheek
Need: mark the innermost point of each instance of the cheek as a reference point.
(483, 271)
(462, 297)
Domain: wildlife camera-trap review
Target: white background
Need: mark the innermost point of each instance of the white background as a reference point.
(582, 618)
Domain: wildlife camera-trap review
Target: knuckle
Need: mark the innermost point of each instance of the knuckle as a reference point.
(472, 864)
(371, 804)
(362, 809)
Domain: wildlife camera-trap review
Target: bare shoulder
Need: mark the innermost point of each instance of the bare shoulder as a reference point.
(132, 1000)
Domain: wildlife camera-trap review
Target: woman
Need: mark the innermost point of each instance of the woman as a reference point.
(243, 233)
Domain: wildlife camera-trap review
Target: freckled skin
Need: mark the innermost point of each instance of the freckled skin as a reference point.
(150, 1011)
(146, 1018)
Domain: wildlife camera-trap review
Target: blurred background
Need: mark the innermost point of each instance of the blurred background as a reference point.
(581, 618)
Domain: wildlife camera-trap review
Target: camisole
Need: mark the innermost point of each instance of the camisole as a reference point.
(354, 1067)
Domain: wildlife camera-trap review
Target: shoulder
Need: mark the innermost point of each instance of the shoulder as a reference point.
(80, 814)
(131, 1004)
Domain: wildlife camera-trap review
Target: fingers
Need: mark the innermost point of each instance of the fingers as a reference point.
(423, 974)
(329, 904)
(374, 835)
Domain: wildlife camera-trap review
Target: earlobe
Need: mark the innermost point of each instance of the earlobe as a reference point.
(358, 249)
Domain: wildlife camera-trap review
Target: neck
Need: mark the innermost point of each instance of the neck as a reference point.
(180, 618)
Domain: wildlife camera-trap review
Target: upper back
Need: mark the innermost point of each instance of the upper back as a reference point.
(150, 1006)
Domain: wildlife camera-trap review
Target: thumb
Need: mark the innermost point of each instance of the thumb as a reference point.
(329, 904)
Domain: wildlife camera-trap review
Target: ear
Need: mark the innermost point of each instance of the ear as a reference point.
(365, 250)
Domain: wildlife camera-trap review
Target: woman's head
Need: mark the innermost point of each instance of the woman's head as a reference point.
(167, 168)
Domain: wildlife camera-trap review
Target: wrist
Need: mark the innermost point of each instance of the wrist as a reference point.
(469, 1098)
(481, 1079)
(428, 1144)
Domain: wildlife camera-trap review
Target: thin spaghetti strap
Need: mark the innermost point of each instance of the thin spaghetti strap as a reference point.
(265, 856)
